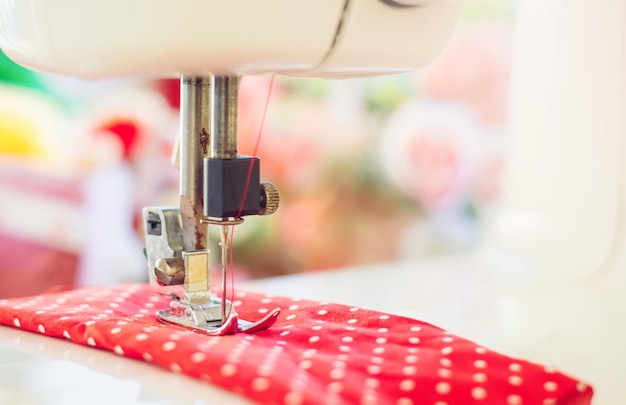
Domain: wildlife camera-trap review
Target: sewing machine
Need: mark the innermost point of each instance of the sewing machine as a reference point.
(549, 267)
(218, 186)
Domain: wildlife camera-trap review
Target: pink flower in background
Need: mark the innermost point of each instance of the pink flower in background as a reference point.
(446, 150)
(439, 154)
(428, 150)
(436, 157)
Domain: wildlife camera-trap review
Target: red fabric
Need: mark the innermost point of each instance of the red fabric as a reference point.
(316, 353)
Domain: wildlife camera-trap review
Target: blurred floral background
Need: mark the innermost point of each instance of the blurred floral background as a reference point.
(370, 170)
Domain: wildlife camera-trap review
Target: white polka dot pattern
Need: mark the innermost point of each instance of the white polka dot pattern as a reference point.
(315, 353)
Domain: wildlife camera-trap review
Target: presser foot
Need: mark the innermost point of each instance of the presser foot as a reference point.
(208, 319)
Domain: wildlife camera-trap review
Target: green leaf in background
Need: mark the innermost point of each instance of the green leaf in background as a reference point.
(12, 73)
(314, 88)
(384, 94)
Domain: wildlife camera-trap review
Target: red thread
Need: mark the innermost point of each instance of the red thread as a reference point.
(247, 186)
(256, 146)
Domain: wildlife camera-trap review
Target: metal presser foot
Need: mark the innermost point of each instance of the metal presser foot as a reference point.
(206, 318)
(218, 187)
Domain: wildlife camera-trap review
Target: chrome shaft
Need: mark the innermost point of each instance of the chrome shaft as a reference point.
(224, 117)
(196, 94)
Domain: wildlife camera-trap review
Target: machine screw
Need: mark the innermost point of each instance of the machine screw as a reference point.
(270, 199)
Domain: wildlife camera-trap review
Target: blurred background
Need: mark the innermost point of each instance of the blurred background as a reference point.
(370, 170)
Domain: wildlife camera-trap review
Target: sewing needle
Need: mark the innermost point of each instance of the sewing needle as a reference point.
(224, 259)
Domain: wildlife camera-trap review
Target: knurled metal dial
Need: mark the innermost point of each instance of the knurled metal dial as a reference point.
(270, 199)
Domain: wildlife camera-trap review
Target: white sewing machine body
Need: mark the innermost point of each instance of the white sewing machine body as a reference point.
(548, 283)
(166, 38)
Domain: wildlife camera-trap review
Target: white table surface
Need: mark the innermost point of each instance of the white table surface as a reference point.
(578, 327)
